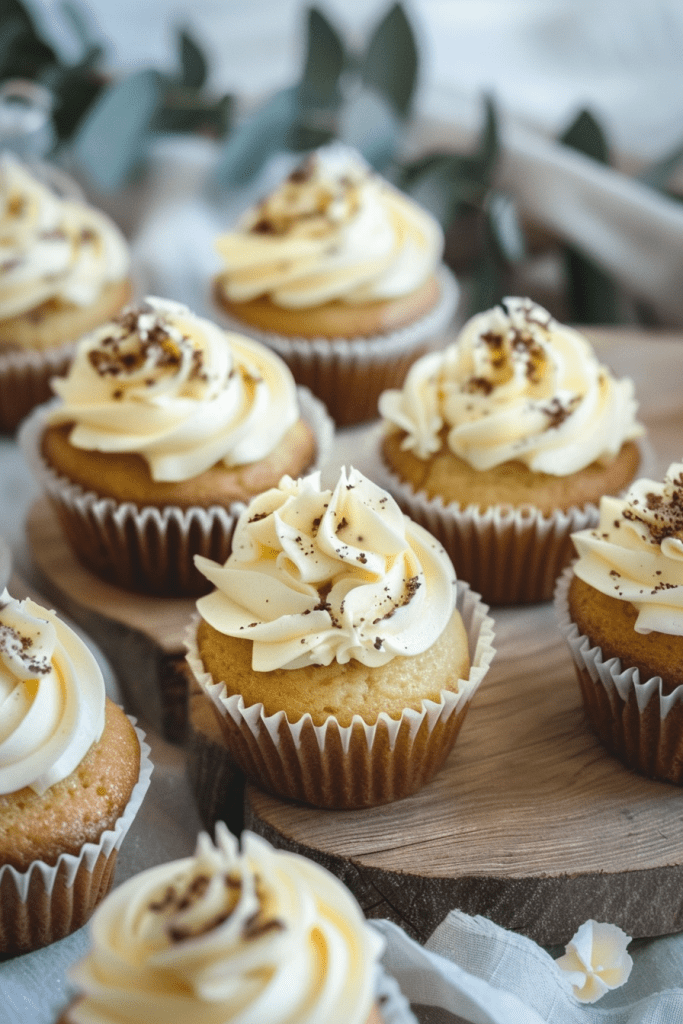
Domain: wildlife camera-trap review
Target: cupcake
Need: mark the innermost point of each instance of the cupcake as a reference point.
(256, 935)
(338, 649)
(72, 777)
(64, 272)
(165, 428)
(341, 274)
(620, 608)
(503, 444)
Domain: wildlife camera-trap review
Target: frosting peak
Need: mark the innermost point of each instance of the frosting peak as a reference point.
(333, 230)
(176, 389)
(636, 552)
(52, 248)
(251, 936)
(515, 385)
(317, 575)
(51, 697)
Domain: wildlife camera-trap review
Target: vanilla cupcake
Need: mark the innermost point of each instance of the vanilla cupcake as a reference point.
(338, 649)
(503, 444)
(165, 427)
(341, 274)
(257, 935)
(64, 271)
(72, 777)
(620, 607)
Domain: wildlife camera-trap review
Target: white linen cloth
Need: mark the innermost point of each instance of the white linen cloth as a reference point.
(472, 970)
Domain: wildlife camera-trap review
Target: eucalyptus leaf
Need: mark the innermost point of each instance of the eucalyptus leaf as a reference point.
(591, 293)
(505, 228)
(192, 61)
(586, 134)
(369, 124)
(324, 63)
(75, 89)
(657, 175)
(251, 143)
(592, 296)
(186, 110)
(485, 157)
(390, 63)
(74, 14)
(23, 53)
(112, 139)
(487, 282)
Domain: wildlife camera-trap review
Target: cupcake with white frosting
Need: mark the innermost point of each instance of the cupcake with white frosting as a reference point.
(227, 935)
(65, 270)
(503, 444)
(165, 427)
(73, 773)
(620, 608)
(339, 650)
(341, 274)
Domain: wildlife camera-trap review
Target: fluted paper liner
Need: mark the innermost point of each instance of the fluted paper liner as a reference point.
(45, 903)
(349, 374)
(359, 765)
(509, 555)
(149, 549)
(25, 377)
(635, 720)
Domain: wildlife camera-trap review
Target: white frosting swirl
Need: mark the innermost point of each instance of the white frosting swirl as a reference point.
(252, 937)
(52, 248)
(318, 575)
(515, 385)
(636, 552)
(176, 389)
(333, 230)
(52, 697)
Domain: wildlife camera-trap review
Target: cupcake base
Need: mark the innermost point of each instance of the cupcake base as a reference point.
(148, 549)
(349, 374)
(636, 721)
(353, 766)
(47, 902)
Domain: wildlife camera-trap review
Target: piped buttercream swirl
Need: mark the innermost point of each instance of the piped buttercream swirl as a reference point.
(52, 697)
(252, 936)
(333, 230)
(515, 385)
(176, 389)
(52, 248)
(317, 575)
(636, 552)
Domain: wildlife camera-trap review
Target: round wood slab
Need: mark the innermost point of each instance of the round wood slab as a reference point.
(141, 636)
(530, 823)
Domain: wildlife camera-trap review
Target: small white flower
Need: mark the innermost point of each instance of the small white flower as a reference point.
(596, 960)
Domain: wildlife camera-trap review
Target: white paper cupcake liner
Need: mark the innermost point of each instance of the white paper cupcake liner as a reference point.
(25, 380)
(149, 549)
(359, 765)
(509, 555)
(82, 880)
(349, 374)
(633, 718)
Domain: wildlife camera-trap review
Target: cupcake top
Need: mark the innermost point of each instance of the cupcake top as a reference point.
(52, 248)
(176, 389)
(317, 575)
(333, 230)
(635, 553)
(251, 936)
(515, 385)
(52, 697)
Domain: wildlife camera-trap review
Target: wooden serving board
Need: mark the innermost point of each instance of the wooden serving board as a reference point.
(530, 823)
(141, 636)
